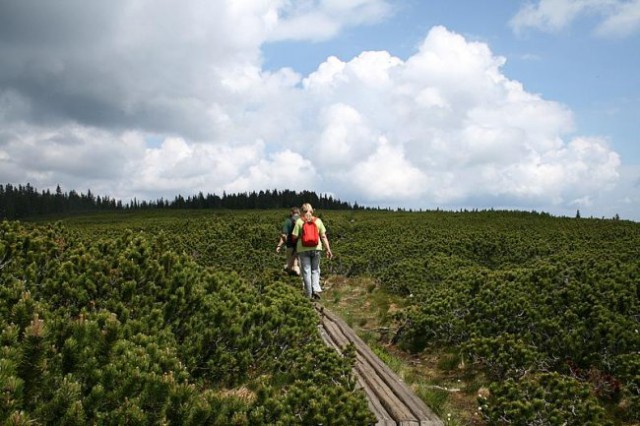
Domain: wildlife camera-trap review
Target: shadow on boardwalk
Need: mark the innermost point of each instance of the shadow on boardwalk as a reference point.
(389, 397)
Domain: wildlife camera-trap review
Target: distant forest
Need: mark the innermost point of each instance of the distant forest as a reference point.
(19, 202)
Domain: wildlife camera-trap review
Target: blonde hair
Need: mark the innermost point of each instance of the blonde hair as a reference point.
(308, 212)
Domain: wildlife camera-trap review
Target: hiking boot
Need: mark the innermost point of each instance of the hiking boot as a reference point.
(315, 296)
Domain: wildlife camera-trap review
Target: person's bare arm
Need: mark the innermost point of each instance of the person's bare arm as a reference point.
(325, 241)
(283, 240)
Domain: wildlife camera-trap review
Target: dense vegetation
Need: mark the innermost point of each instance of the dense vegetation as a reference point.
(124, 330)
(193, 306)
(548, 308)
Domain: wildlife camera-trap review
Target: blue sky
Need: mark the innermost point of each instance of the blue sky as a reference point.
(530, 105)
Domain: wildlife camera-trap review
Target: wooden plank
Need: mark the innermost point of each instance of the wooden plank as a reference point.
(337, 335)
(383, 417)
(387, 397)
(394, 406)
(417, 406)
(419, 409)
(327, 339)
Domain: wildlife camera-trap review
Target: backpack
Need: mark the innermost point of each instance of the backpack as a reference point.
(290, 239)
(310, 234)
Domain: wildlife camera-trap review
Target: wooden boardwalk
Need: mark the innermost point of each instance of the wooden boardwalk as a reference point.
(389, 397)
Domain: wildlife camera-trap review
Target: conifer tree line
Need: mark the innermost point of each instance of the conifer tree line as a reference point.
(19, 202)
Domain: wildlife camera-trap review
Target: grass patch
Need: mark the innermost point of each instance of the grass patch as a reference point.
(394, 363)
(436, 399)
(449, 362)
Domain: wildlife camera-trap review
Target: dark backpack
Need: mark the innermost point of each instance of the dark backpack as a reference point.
(310, 234)
(291, 242)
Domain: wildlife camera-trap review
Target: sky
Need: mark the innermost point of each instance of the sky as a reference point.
(417, 104)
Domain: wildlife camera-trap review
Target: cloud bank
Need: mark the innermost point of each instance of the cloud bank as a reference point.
(615, 18)
(152, 99)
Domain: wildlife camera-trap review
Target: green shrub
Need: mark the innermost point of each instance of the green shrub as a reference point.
(542, 399)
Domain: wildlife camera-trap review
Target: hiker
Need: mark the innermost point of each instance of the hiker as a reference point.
(292, 266)
(310, 234)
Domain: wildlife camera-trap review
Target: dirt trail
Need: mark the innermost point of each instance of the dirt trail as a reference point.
(389, 397)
